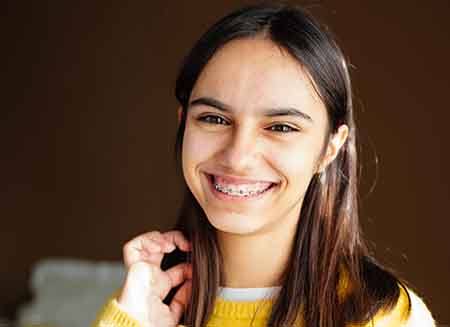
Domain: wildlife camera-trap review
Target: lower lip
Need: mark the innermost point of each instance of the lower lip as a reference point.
(227, 197)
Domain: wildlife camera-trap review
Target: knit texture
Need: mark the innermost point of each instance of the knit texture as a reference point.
(112, 316)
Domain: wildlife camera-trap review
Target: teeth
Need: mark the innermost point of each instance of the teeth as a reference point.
(239, 190)
(235, 192)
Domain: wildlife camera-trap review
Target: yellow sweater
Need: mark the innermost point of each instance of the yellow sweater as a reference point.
(239, 314)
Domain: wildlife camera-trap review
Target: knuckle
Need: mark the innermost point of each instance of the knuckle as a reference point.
(154, 233)
(174, 235)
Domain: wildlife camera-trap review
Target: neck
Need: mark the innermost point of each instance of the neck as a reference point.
(257, 260)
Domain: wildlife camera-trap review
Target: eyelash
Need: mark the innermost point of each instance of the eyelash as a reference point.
(284, 128)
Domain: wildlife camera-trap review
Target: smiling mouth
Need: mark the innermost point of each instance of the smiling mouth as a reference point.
(238, 190)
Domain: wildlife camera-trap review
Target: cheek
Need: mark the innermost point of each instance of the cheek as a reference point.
(197, 148)
(296, 162)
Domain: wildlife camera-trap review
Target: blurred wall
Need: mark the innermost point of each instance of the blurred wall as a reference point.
(88, 120)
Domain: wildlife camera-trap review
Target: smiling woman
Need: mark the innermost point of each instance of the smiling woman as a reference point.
(243, 131)
(266, 143)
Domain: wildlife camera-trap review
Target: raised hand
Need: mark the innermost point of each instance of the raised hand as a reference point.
(146, 285)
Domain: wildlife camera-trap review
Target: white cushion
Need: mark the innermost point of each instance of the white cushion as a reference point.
(69, 292)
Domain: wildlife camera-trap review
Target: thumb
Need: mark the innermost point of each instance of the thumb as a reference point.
(181, 300)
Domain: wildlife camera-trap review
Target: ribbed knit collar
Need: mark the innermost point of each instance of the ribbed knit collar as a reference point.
(259, 309)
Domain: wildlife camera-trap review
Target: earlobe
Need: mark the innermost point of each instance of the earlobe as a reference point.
(335, 144)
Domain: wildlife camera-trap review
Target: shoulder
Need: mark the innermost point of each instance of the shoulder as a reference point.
(409, 311)
(419, 315)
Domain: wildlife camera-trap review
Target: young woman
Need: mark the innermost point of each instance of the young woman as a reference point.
(268, 234)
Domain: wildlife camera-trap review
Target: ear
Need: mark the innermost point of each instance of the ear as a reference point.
(179, 114)
(334, 145)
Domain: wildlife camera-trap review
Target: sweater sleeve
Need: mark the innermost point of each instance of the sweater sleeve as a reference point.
(420, 316)
(408, 312)
(111, 315)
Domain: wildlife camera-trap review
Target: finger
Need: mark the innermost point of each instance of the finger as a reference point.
(158, 237)
(177, 238)
(133, 253)
(179, 273)
(181, 300)
(141, 247)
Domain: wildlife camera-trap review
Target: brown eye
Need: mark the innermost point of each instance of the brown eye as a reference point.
(281, 128)
(211, 119)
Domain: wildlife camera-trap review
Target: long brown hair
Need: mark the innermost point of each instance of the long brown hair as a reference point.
(328, 246)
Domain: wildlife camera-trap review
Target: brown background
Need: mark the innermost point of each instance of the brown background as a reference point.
(88, 121)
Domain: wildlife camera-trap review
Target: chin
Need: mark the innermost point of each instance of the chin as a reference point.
(234, 223)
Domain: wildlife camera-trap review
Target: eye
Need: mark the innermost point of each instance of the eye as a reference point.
(282, 128)
(212, 119)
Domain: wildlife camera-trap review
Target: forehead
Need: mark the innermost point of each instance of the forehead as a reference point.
(250, 74)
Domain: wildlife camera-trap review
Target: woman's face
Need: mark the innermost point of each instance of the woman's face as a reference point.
(255, 135)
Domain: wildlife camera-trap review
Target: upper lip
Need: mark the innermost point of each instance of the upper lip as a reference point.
(233, 179)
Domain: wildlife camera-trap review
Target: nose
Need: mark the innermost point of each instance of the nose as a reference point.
(240, 152)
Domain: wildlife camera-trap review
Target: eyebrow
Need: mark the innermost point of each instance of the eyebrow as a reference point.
(271, 112)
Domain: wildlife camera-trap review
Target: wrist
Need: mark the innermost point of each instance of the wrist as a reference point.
(132, 309)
